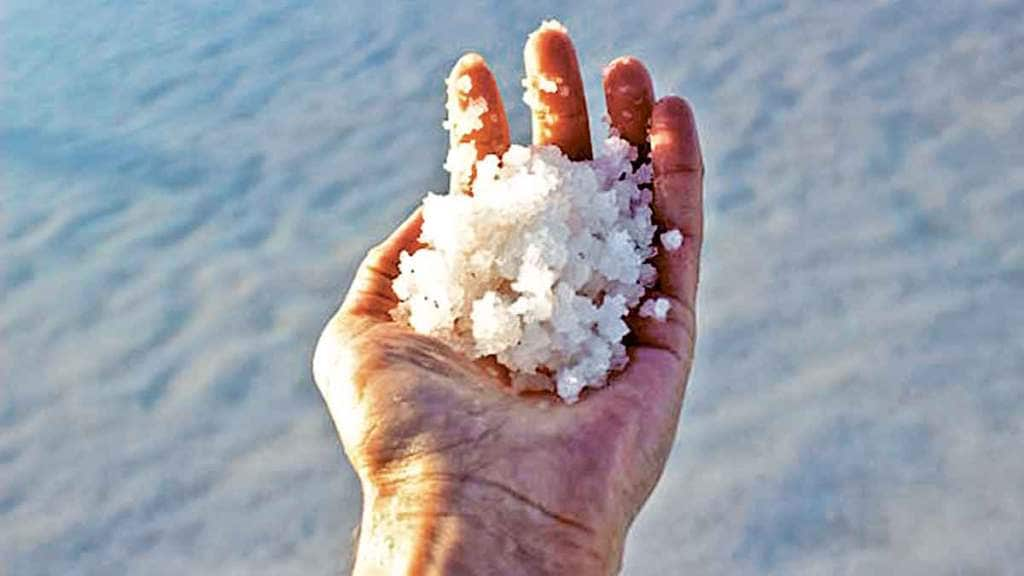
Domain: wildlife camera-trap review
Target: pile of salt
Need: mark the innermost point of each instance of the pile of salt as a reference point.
(540, 262)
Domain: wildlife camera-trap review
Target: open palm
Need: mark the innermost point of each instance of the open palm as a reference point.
(441, 439)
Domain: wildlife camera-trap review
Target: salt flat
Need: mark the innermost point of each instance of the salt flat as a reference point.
(186, 187)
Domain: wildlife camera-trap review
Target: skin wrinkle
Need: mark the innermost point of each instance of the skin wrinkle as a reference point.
(377, 262)
(683, 213)
(371, 306)
(547, 117)
(413, 446)
(454, 563)
(683, 311)
(681, 341)
(541, 537)
(374, 292)
(665, 348)
(387, 275)
(419, 358)
(418, 351)
(680, 167)
(406, 455)
(436, 523)
(488, 483)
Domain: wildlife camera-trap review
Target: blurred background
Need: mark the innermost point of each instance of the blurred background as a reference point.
(186, 187)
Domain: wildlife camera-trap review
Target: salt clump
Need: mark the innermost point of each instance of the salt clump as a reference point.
(538, 265)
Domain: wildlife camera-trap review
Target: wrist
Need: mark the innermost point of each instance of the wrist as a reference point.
(466, 525)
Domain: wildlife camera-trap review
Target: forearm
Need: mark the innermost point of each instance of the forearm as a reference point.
(471, 526)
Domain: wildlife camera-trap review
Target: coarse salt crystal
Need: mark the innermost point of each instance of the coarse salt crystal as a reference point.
(672, 240)
(656, 308)
(551, 24)
(545, 84)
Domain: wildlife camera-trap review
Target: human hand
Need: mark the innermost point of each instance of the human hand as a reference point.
(459, 473)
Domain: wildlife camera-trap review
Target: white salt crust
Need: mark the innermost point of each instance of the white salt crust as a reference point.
(538, 265)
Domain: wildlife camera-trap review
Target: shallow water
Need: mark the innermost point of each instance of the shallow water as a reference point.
(186, 187)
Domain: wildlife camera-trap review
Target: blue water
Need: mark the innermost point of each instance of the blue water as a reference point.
(186, 187)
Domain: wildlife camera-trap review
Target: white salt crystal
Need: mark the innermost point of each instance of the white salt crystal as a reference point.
(656, 308)
(534, 85)
(537, 83)
(551, 24)
(645, 174)
(672, 240)
(538, 266)
(459, 162)
(495, 328)
(545, 84)
(462, 122)
(464, 84)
